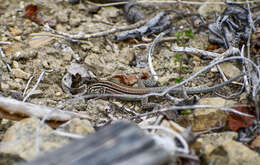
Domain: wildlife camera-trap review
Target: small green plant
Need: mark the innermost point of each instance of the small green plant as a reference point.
(184, 68)
(186, 112)
(179, 80)
(177, 58)
(179, 35)
(189, 33)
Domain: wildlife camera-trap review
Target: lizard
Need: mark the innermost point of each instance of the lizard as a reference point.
(121, 91)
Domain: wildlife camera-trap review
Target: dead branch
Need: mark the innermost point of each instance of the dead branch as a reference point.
(17, 110)
(163, 3)
(99, 34)
(80, 36)
(177, 108)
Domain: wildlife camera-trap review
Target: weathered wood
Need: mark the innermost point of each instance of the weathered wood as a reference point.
(17, 110)
(121, 143)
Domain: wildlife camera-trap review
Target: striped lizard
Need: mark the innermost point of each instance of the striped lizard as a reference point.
(121, 91)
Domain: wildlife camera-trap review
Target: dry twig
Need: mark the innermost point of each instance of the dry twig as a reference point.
(17, 110)
(176, 108)
(164, 2)
(36, 85)
(151, 50)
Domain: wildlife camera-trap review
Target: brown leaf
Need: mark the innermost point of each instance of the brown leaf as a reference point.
(256, 42)
(127, 80)
(145, 76)
(212, 47)
(131, 79)
(236, 121)
(132, 41)
(32, 12)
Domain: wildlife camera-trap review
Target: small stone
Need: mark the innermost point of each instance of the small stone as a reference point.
(21, 5)
(18, 38)
(75, 21)
(107, 12)
(75, 68)
(200, 41)
(4, 86)
(58, 94)
(15, 64)
(15, 31)
(229, 69)
(243, 97)
(35, 93)
(206, 9)
(96, 108)
(17, 54)
(62, 17)
(21, 74)
(95, 49)
(81, 127)
(86, 47)
(108, 48)
(15, 85)
(67, 56)
(126, 55)
(96, 65)
(196, 59)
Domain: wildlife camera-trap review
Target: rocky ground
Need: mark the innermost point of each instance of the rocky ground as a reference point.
(29, 50)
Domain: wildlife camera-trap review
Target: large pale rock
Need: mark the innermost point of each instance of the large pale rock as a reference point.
(233, 153)
(221, 148)
(208, 142)
(205, 119)
(20, 139)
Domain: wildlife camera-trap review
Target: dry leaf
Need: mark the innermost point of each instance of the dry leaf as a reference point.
(127, 80)
(212, 47)
(236, 121)
(32, 12)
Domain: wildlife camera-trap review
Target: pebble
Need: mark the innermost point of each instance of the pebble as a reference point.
(15, 64)
(206, 9)
(82, 127)
(18, 73)
(229, 69)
